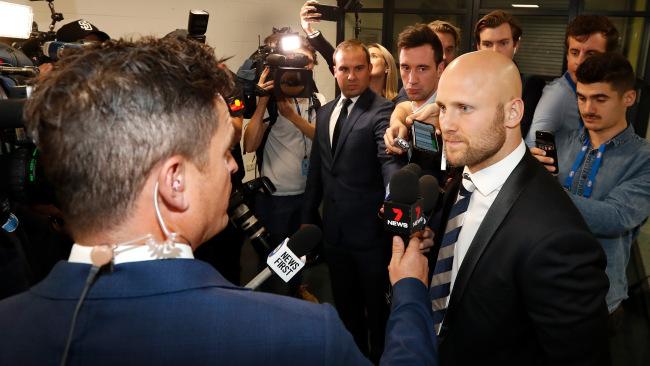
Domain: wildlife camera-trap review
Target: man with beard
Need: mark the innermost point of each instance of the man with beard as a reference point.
(518, 278)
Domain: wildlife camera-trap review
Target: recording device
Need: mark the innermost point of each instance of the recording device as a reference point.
(402, 144)
(197, 24)
(243, 217)
(545, 140)
(328, 12)
(288, 70)
(413, 199)
(285, 261)
(424, 138)
(54, 50)
(403, 213)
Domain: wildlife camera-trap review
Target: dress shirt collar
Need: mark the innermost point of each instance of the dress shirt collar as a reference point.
(353, 99)
(491, 178)
(134, 253)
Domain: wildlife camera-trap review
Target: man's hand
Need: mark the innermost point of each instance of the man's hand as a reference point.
(287, 109)
(306, 18)
(409, 263)
(547, 161)
(426, 240)
(394, 131)
(429, 114)
(266, 85)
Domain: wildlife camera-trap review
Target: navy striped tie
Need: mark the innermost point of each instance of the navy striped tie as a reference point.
(440, 287)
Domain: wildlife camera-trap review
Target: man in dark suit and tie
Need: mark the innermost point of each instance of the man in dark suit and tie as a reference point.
(141, 165)
(518, 278)
(349, 171)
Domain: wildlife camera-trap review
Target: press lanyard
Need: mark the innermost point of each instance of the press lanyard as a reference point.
(573, 86)
(594, 168)
(304, 140)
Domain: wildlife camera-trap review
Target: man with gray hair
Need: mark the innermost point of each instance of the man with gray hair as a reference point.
(136, 140)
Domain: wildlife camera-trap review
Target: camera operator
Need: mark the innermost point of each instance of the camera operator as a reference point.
(283, 146)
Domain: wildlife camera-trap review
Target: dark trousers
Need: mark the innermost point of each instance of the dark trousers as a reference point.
(280, 215)
(359, 285)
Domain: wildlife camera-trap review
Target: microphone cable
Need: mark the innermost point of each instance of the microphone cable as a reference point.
(90, 279)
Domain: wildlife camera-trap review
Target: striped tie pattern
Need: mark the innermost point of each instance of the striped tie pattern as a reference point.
(440, 287)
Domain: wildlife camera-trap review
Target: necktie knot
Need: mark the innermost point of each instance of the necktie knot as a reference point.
(466, 186)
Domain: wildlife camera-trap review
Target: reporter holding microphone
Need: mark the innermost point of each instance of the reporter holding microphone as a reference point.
(137, 145)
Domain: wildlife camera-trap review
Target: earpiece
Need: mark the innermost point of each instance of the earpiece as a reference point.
(176, 185)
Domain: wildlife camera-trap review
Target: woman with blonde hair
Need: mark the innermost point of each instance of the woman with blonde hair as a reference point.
(383, 79)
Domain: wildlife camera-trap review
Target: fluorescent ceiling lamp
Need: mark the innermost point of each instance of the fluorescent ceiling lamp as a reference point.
(525, 5)
(15, 20)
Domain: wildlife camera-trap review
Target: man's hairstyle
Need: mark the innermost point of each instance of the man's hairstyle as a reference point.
(611, 67)
(107, 114)
(350, 44)
(583, 26)
(441, 26)
(495, 19)
(419, 35)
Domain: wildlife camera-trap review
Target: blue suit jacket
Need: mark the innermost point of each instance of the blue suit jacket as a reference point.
(351, 183)
(182, 312)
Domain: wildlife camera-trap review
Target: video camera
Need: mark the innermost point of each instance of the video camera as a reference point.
(288, 69)
(243, 217)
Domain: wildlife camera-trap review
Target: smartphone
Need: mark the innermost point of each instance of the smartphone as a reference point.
(327, 12)
(545, 140)
(423, 136)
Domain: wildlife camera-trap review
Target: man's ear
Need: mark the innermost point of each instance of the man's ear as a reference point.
(172, 184)
(629, 97)
(513, 113)
(441, 67)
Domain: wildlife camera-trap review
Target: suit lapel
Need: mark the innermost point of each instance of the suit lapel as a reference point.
(362, 104)
(324, 128)
(512, 188)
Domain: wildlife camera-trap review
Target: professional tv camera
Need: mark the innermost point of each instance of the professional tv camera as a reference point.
(288, 69)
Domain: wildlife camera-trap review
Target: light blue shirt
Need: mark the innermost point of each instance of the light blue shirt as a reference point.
(620, 200)
(557, 110)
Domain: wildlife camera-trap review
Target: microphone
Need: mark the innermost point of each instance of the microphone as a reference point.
(414, 168)
(55, 49)
(285, 260)
(430, 192)
(403, 213)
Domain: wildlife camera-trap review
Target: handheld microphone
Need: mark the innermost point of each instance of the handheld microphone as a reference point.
(285, 260)
(430, 192)
(403, 213)
(55, 49)
(414, 168)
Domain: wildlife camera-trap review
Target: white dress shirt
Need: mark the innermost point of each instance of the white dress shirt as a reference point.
(135, 252)
(488, 182)
(337, 111)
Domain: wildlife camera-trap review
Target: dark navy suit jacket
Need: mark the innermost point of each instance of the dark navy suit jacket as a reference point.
(182, 312)
(531, 288)
(351, 183)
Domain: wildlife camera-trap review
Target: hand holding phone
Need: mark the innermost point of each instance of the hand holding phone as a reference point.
(545, 140)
